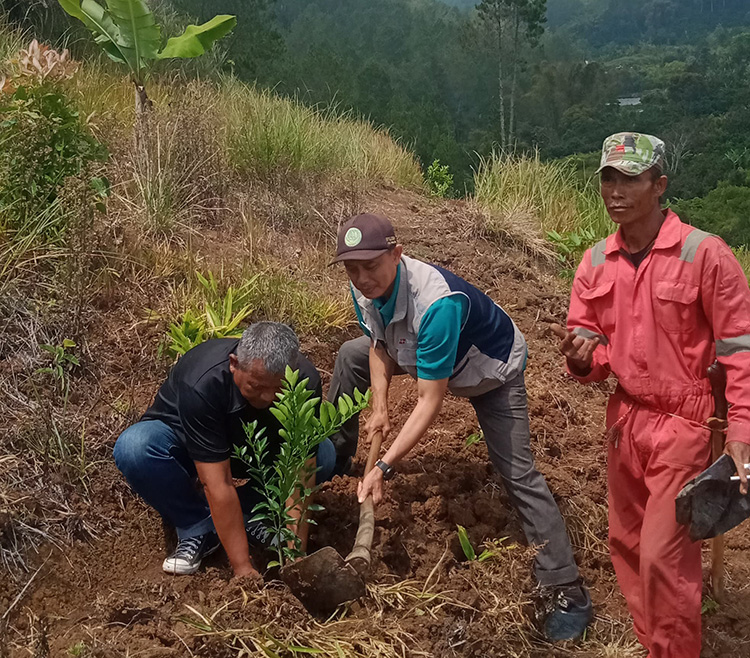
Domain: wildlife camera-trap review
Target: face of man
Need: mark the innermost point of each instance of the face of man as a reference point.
(631, 198)
(256, 384)
(375, 278)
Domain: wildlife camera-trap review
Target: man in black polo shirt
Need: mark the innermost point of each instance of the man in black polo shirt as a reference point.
(191, 428)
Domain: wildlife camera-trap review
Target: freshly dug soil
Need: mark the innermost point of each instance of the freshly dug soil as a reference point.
(108, 596)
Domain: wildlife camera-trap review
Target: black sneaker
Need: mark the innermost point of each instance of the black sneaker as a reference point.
(567, 611)
(189, 552)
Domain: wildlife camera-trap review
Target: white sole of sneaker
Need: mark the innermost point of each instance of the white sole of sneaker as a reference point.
(178, 568)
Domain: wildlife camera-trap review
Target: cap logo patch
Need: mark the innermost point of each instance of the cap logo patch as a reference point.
(353, 237)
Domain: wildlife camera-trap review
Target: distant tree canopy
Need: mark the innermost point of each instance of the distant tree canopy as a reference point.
(676, 68)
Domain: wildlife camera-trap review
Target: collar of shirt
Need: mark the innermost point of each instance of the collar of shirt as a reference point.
(387, 305)
(669, 235)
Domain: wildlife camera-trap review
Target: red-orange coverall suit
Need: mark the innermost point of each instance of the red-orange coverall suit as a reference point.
(660, 327)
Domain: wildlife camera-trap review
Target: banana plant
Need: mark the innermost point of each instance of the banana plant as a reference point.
(127, 31)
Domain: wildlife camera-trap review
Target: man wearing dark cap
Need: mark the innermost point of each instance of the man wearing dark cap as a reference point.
(425, 321)
(655, 304)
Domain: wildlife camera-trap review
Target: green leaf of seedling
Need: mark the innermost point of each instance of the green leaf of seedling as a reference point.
(463, 538)
(477, 437)
(273, 563)
(314, 507)
(485, 555)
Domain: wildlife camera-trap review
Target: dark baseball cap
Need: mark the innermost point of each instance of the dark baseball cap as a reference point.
(364, 237)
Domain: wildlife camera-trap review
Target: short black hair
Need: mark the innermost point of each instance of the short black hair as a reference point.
(656, 173)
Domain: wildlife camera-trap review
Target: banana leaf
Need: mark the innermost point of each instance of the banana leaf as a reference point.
(138, 29)
(197, 39)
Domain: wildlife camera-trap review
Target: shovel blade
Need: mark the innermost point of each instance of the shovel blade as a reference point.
(323, 580)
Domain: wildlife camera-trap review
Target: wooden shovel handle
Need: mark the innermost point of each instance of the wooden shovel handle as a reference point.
(717, 375)
(718, 378)
(360, 556)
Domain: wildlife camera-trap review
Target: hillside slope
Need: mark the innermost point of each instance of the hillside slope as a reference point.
(105, 595)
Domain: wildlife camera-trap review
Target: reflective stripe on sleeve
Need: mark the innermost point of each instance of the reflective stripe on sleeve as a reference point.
(598, 256)
(691, 244)
(729, 346)
(587, 333)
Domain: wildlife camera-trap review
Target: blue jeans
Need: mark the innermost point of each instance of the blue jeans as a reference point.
(158, 468)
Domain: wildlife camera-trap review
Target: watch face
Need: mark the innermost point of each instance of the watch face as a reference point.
(388, 471)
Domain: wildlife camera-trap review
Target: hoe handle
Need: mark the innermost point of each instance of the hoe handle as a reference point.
(360, 556)
(718, 378)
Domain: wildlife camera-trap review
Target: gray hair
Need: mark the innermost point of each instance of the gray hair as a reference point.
(274, 343)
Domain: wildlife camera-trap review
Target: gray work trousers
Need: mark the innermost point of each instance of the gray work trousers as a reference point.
(504, 418)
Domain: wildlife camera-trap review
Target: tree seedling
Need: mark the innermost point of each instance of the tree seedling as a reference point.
(468, 549)
(286, 481)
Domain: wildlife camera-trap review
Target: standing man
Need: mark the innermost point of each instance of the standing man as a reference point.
(425, 321)
(656, 303)
(190, 430)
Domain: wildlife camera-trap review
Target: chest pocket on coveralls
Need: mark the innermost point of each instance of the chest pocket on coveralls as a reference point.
(676, 305)
(602, 299)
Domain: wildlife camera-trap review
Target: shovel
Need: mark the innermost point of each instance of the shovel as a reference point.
(324, 580)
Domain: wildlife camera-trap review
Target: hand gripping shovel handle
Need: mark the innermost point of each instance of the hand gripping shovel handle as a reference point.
(360, 556)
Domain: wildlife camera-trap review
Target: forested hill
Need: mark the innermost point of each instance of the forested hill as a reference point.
(578, 71)
(602, 23)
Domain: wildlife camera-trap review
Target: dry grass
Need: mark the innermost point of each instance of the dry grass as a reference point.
(743, 256)
(524, 198)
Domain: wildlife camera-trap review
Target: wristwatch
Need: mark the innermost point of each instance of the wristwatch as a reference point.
(388, 471)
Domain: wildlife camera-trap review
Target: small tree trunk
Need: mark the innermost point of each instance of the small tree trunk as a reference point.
(500, 81)
(143, 107)
(512, 123)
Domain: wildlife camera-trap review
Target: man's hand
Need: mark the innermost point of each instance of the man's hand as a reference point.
(248, 575)
(740, 453)
(378, 422)
(371, 485)
(579, 351)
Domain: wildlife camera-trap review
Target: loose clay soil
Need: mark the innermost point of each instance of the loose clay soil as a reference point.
(105, 594)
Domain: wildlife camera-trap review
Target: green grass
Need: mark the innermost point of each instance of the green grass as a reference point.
(11, 41)
(527, 198)
(267, 135)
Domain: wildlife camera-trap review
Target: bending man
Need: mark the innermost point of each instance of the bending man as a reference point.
(425, 321)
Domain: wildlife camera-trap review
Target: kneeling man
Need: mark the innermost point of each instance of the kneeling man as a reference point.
(190, 430)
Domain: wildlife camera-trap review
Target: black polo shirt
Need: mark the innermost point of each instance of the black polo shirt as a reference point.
(206, 410)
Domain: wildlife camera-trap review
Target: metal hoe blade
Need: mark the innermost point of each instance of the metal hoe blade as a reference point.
(323, 580)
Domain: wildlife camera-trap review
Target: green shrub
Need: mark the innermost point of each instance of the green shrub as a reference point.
(43, 141)
(223, 310)
(723, 211)
(439, 179)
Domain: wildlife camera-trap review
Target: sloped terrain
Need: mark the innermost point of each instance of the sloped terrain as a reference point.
(102, 592)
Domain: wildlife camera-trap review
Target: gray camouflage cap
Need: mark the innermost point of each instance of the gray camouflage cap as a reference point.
(632, 153)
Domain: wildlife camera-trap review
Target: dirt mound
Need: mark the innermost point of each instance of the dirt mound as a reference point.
(105, 594)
